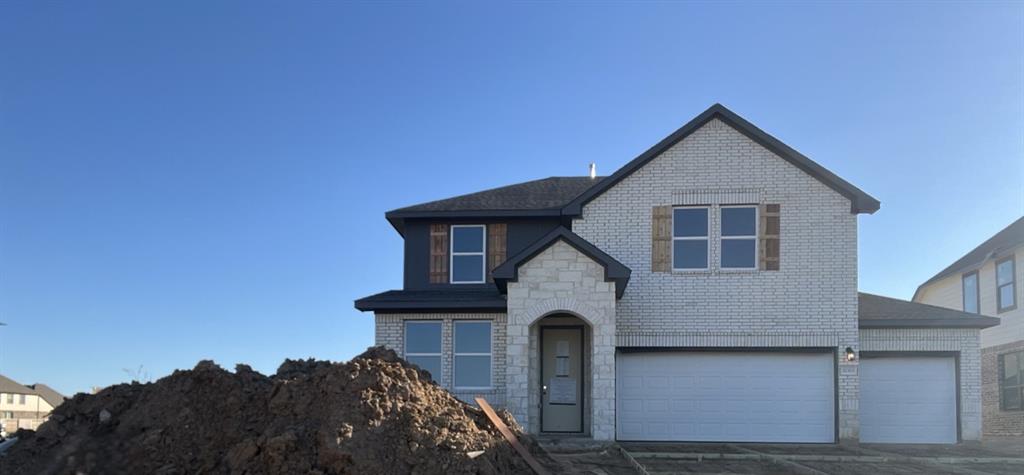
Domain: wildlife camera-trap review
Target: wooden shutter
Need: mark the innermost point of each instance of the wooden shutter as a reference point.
(661, 239)
(438, 253)
(497, 239)
(771, 231)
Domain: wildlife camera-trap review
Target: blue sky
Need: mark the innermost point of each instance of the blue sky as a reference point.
(207, 180)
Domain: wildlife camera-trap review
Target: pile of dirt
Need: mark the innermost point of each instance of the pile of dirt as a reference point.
(374, 414)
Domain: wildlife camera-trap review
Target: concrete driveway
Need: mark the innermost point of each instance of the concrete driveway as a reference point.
(991, 457)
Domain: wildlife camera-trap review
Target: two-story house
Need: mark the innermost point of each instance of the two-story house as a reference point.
(986, 281)
(705, 291)
(25, 406)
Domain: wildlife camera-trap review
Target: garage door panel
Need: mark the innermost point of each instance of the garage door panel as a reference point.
(908, 400)
(741, 397)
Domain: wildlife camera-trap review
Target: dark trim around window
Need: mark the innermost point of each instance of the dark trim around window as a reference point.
(1013, 283)
(977, 291)
(1019, 387)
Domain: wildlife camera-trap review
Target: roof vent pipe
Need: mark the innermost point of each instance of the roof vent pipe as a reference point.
(593, 171)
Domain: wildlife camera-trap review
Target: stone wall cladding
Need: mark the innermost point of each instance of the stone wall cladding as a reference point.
(963, 340)
(561, 280)
(997, 422)
(390, 331)
(812, 298)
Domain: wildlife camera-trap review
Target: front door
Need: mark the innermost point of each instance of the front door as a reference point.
(561, 379)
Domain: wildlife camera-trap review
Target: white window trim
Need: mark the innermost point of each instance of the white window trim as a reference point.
(452, 254)
(456, 354)
(405, 343)
(706, 237)
(723, 237)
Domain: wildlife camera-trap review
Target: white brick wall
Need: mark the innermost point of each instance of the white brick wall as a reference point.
(962, 340)
(811, 301)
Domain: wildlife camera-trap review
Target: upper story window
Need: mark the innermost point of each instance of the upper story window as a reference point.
(467, 254)
(1006, 285)
(972, 303)
(472, 354)
(21, 400)
(423, 346)
(10, 398)
(739, 237)
(690, 238)
(1011, 381)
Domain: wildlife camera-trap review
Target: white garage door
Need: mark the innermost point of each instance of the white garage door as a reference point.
(908, 400)
(731, 397)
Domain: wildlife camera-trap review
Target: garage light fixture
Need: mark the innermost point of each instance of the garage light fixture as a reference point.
(850, 356)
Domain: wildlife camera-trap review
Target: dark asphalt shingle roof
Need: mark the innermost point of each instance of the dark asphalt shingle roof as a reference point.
(544, 194)
(876, 311)
(49, 394)
(451, 299)
(1010, 237)
(8, 385)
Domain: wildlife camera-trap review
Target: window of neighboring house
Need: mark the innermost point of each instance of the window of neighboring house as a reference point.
(423, 346)
(1011, 381)
(8, 415)
(467, 254)
(739, 237)
(1006, 285)
(972, 303)
(473, 355)
(690, 238)
(10, 399)
(21, 400)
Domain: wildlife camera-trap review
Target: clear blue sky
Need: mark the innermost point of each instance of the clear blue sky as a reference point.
(193, 180)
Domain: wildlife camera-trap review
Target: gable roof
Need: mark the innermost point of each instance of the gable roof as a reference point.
(1009, 238)
(543, 197)
(50, 395)
(8, 385)
(614, 271)
(860, 201)
(876, 311)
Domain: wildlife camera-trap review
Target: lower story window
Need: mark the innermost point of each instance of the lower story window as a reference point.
(1011, 381)
(472, 354)
(423, 346)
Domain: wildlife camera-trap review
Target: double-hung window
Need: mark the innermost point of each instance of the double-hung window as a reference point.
(971, 294)
(472, 354)
(21, 400)
(1011, 381)
(690, 238)
(739, 237)
(467, 254)
(1006, 285)
(423, 346)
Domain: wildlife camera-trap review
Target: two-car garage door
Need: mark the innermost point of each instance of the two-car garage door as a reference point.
(725, 396)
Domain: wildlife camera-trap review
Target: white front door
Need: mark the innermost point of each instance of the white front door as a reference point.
(561, 379)
(742, 396)
(908, 400)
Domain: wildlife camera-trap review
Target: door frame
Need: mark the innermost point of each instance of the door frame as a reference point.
(583, 376)
(926, 354)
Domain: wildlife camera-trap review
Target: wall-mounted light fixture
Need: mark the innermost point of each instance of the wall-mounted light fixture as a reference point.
(850, 356)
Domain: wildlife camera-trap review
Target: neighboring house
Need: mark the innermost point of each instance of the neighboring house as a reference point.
(706, 291)
(987, 281)
(25, 406)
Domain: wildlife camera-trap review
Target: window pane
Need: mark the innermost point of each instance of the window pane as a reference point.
(689, 222)
(1006, 296)
(1004, 272)
(1011, 370)
(472, 337)
(468, 268)
(422, 337)
(1011, 398)
(469, 239)
(971, 293)
(738, 253)
(472, 371)
(432, 364)
(690, 254)
(739, 222)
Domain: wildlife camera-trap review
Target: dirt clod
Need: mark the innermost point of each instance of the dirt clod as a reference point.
(374, 414)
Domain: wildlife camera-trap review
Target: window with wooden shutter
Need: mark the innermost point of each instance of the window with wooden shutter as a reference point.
(438, 253)
(771, 231)
(497, 243)
(661, 239)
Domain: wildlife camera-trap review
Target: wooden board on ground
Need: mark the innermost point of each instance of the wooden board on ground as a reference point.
(510, 437)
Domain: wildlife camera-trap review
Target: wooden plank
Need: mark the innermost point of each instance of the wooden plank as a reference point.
(510, 437)
(497, 244)
(661, 239)
(439, 253)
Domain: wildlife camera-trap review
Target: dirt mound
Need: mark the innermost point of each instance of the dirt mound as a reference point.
(374, 414)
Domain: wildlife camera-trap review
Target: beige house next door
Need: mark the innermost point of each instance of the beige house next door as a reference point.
(561, 379)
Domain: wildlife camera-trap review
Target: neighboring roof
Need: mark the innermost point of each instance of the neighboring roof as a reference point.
(1009, 238)
(614, 271)
(876, 311)
(8, 385)
(861, 202)
(544, 197)
(50, 395)
(484, 300)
